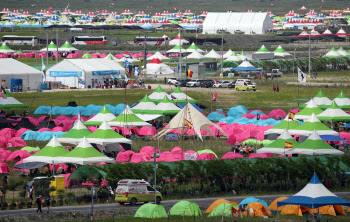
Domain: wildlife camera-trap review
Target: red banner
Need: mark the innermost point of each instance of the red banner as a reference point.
(213, 97)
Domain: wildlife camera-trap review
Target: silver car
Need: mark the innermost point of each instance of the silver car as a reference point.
(222, 84)
(194, 83)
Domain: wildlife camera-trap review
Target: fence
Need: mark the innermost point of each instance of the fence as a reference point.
(90, 218)
(183, 214)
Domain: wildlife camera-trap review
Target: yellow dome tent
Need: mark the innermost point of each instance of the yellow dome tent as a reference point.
(295, 209)
(256, 209)
(331, 210)
(273, 205)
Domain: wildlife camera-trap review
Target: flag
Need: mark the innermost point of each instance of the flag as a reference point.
(173, 97)
(42, 69)
(3, 81)
(301, 76)
(2, 95)
(291, 115)
(257, 116)
(81, 81)
(111, 5)
(189, 73)
(288, 145)
(136, 73)
(188, 123)
(213, 96)
(216, 81)
(127, 64)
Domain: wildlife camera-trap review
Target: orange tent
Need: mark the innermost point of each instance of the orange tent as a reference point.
(331, 210)
(295, 209)
(273, 205)
(256, 209)
(217, 203)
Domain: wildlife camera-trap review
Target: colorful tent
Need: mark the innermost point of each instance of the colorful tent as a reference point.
(287, 123)
(180, 97)
(294, 210)
(105, 135)
(75, 134)
(127, 119)
(280, 52)
(262, 50)
(228, 54)
(158, 95)
(151, 211)
(343, 101)
(217, 203)
(155, 66)
(103, 115)
(273, 205)
(330, 210)
(224, 209)
(310, 108)
(5, 49)
(342, 52)
(333, 114)
(193, 48)
(10, 102)
(51, 48)
(213, 55)
(256, 209)
(176, 49)
(314, 195)
(166, 107)
(332, 54)
(185, 208)
(159, 56)
(244, 203)
(313, 123)
(320, 100)
(145, 106)
(178, 40)
(314, 145)
(245, 66)
(84, 154)
(279, 145)
(66, 47)
(195, 55)
(207, 151)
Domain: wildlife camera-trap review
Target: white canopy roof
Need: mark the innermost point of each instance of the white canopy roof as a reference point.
(159, 56)
(195, 55)
(213, 55)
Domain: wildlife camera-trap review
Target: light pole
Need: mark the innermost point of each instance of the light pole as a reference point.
(144, 56)
(156, 154)
(180, 51)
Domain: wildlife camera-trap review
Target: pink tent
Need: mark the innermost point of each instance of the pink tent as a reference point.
(207, 156)
(231, 140)
(249, 116)
(167, 157)
(33, 120)
(66, 124)
(124, 156)
(177, 152)
(66, 181)
(72, 56)
(21, 154)
(16, 142)
(59, 167)
(288, 155)
(58, 128)
(215, 130)
(103, 55)
(8, 133)
(258, 155)
(231, 155)
(259, 110)
(263, 116)
(4, 168)
(294, 111)
(140, 157)
(148, 149)
(92, 128)
(234, 131)
(43, 129)
(95, 56)
(4, 154)
(83, 118)
(119, 56)
(190, 132)
(41, 118)
(346, 136)
(277, 114)
(147, 131)
(190, 151)
(60, 117)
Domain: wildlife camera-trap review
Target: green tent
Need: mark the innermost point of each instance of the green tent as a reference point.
(75, 134)
(193, 48)
(180, 97)
(87, 56)
(252, 142)
(305, 113)
(30, 149)
(333, 114)
(10, 102)
(128, 119)
(332, 54)
(185, 208)
(66, 47)
(280, 52)
(263, 49)
(314, 145)
(151, 211)
(158, 95)
(49, 154)
(51, 48)
(103, 115)
(166, 107)
(278, 146)
(224, 209)
(176, 49)
(285, 124)
(343, 101)
(5, 49)
(342, 52)
(87, 172)
(207, 151)
(145, 106)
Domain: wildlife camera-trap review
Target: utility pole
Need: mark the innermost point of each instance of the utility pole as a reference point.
(56, 46)
(222, 55)
(47, 48)
(180, 50)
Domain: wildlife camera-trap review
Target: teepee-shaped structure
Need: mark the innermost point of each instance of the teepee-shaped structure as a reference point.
(213, 55)
(155, 66)
(313, 123)
(305, 113)
(262, 49)
(178, 40)
(234, 57)
(10, 102)
(106, 135)
(314, 145)
(145, 106)
(51, 48)
(176, 49)
(190, 118)
(333, 114)
(127, 119)
(75, 134)
(285, 124)
(5, 49)
(66, 47)
(158, 95)
(85, 154)
(111, 57)
(342, 52)
(103, 115)
(342, 101)
(193, 48)
(280, 52)
(245, 66)
(279, 145)
(180, 97)
(195, 55)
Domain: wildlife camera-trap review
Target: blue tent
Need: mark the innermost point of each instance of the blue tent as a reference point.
(314, 195)
(245, 66)
(250, 200)
(182, 105)
(30, 135)
(43, 110)
(237, 111)
(215, 116)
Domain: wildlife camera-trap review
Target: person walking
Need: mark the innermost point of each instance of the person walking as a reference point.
(38, 203)
(48, 203)
(277, 88)
(274, 89)
(31, 191)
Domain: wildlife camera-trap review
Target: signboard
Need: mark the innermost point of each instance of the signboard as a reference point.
(190, 156)
(105, 72)
(65, 73)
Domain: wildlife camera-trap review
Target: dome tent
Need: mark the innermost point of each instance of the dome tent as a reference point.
(151, 211)
(155, 66)
(185, 208)
(224, 209)
(217, 203)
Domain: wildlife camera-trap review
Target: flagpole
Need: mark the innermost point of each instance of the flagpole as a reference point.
(180, 50)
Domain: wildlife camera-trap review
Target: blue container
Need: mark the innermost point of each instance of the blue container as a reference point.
(16, 85)
(44, 86)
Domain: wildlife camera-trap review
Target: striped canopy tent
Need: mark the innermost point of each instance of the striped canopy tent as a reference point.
(145, 106)
(228, 54)
(51, 48)
(66, 47)
(166, 107)
(287, 123)
(314, 145)
(193, 48)
(280, 52)
(305, 113)
(5, 49)
(127, 119)
(75, 134)
(279, 145)
(103, 115)
(342, 52)
(10, 102)
(262, 50)
(85, 154)
(314, 195)
(320, 100)
(313, 123)
(342, 101)
(106, 135)
(333, 114)
(213, 55)
(180, 97)
(158, 95)
(332, 54)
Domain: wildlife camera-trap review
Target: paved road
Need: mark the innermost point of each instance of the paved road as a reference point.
(205, 201)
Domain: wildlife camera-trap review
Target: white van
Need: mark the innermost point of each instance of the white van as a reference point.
(244, 85)
(133, 191)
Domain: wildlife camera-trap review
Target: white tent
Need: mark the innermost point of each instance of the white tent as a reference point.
(159, 56)
(69, 71)
(258, 23)
(228, 54)
(177, 41)
(155, 66)
(11, 68)
(213, 55)
(195, 55)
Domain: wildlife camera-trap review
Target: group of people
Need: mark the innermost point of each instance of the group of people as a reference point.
(276, 88)
(242, 149)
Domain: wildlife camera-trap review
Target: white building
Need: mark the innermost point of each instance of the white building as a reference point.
(70, 71)
(246, 22)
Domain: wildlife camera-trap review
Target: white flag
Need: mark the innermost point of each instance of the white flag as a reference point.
(301, 76)
(42, 69)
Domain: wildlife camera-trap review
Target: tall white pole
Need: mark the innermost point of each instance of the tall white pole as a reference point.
(180, 50)
(309, 53)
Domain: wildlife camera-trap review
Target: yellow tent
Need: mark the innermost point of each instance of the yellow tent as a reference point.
(256, 209)
(217, 203)
(331, 210)
(273, 205)
(295, 209)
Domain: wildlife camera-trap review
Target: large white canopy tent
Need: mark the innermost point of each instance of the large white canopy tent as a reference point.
(155, 66)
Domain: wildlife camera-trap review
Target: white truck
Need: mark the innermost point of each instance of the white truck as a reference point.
(275, 72)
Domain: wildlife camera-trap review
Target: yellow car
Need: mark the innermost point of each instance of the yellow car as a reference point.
(244, 85)
(134, 191)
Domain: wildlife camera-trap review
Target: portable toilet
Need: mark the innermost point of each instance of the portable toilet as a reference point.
(59, 184)
(16, 85)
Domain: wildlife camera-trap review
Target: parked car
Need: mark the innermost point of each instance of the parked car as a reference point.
(238, 32)
(222, 31)
(232, 84)
(209, 44)
(208, 83)
(275, 72)
(245, 85)
(134, 191)
(194, 83)
(182, 82)
(222, 84)
(171, 81)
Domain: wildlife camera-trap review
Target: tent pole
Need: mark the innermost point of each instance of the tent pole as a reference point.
(313, 216)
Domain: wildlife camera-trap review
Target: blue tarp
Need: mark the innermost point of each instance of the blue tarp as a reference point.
(43, 110)
(331, 138)
(182, 105)
(237, 111)
(30, 135)
(215, 116)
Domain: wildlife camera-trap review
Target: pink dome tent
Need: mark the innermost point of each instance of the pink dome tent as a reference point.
(21, 154)
(277, 114)
(177, 152)
(4, 168)
(147, 131)
(167, 157)
(4, 154)
(231, 140)
(186, 154)
(231, 155)
(140, 157)
(125, 156)
(207, 156)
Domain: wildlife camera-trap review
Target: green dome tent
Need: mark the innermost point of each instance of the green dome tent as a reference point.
(87, 172)
(87, 56)
(185, 208)
(151, 211)
(223, 209)
(207, 151)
